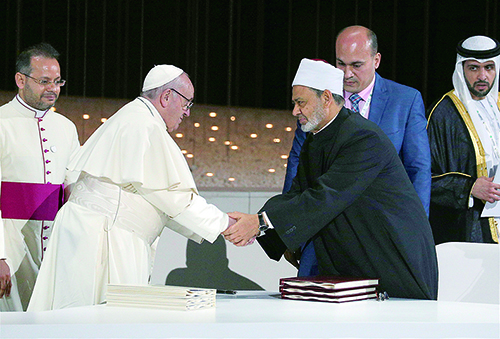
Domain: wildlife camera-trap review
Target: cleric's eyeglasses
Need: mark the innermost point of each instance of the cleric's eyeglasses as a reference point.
(44, 82)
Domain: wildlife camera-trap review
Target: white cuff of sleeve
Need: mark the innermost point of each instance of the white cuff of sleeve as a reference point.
(202, 218)
(266, 219)
(268, 223)
(471, 201)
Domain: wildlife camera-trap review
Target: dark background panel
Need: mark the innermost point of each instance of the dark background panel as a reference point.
(238, 53)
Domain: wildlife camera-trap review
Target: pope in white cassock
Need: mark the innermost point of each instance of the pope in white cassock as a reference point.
(134, 181)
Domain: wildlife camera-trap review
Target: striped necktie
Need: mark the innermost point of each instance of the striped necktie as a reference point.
(355, 99)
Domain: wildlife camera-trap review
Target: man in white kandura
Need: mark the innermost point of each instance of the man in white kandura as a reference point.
(134, 181)
(464, 136)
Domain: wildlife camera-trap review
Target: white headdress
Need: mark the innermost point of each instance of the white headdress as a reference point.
(481, 49)
(160, 75)
(319, 74)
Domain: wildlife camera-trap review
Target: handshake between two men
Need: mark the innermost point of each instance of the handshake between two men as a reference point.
(243, 228)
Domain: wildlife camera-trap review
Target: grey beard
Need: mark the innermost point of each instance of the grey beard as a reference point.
(317, 116)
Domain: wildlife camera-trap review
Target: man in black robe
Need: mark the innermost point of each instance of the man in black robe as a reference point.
(464, 136)
(351, 196)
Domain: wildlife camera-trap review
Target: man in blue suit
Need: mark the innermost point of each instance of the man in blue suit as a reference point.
(397, 109)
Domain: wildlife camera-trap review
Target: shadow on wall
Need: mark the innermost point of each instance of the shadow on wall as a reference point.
(207, 267)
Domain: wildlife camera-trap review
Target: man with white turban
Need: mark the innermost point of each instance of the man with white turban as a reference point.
(134, 181)
(464, 136)
(397, 109)
(351, 197)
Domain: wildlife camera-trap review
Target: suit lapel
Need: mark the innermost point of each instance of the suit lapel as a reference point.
(379, 100)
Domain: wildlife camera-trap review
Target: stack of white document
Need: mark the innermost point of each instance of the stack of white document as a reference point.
(159, 296)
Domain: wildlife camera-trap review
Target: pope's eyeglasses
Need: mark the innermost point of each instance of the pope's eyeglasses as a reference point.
(189, 102)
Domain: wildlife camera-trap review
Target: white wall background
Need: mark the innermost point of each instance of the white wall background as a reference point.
(250, 261)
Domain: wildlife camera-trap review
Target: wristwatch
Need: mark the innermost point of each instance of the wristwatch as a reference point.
(263, 226)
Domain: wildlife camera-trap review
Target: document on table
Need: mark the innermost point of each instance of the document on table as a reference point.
(164, 296)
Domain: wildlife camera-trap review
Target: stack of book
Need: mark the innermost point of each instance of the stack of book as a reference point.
(328, 289)
(165, 297)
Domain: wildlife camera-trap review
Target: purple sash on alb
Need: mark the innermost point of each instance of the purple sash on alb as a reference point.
(27, 201)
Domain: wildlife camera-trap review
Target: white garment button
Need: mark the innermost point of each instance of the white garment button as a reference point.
(53, 149)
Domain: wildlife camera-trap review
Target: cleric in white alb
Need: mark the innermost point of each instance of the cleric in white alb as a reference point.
(35, 147)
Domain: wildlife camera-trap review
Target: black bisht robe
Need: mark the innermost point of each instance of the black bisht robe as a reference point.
(454, 171)
(353, 197)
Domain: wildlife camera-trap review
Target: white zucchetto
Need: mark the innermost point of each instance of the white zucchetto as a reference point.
(160, 75)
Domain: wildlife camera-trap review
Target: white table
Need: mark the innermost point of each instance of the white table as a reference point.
(262, 314)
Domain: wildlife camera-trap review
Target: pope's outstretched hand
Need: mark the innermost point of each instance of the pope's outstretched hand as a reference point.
(244, 231)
